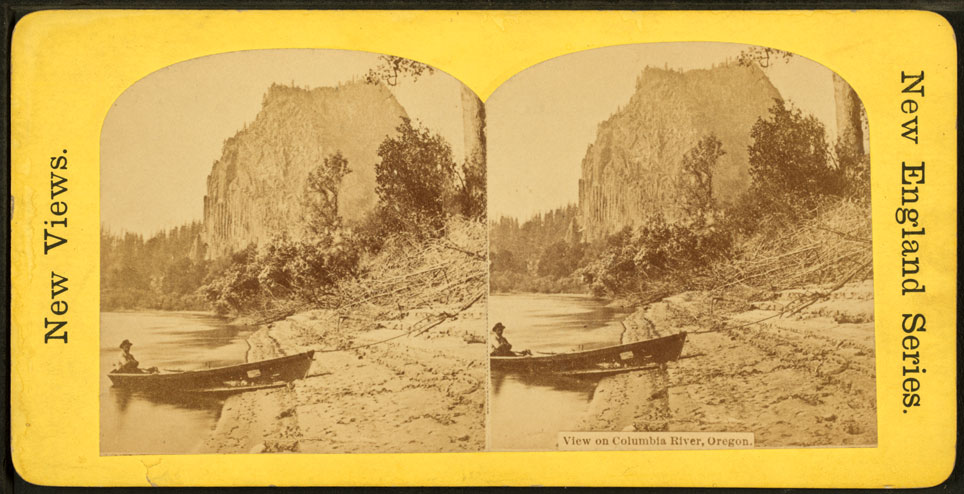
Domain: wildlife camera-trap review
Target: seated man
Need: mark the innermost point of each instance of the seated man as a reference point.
(127, 364)
(500, 345)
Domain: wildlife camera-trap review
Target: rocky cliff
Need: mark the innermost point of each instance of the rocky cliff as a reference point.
(630, 171)
(255, 189)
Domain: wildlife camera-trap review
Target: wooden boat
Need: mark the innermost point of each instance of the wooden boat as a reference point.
(223, 380)
(599, 362)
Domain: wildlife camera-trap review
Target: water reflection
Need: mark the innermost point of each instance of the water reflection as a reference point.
(527, 411)
(186, 401)
(135, 422)
(579, 386)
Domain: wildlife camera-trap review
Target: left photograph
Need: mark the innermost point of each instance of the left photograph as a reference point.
(293, 258)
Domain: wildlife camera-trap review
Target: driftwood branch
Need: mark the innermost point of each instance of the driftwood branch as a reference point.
(413, 331)
(838, 286)
(844, 235)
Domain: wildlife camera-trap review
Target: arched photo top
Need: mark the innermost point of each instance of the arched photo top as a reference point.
(164, 133)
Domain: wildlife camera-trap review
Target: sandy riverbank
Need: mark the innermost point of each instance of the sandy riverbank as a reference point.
(421, 393)
(401, 367)
(806, 379)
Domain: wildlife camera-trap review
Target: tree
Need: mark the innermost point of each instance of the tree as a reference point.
(472, 193)
(390, 68)
(506, 260)
(182, 276)
(235, 286)
(763, 56)
(853, 169)
(163, 271)
(615, 269)
(321, 195)
(696, 178)
(415, 178)
(560, 259)
(789, 158)
(277, 267)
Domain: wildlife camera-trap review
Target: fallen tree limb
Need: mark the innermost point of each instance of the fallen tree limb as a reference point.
(413, 332)
(821, 296)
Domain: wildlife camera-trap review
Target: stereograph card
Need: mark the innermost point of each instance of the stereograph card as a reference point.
(483, 248)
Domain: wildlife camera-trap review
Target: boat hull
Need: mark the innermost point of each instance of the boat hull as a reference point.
(243, 377)
(630, 355)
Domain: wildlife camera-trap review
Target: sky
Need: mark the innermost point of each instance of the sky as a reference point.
(541, 121)
(164, 133)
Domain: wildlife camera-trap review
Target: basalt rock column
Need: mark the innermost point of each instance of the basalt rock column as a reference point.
(255, 189)
(630, 171)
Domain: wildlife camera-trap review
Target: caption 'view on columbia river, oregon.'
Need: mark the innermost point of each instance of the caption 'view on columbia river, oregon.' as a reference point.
(680, 252)
(293, 256)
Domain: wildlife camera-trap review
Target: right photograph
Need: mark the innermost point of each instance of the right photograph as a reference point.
(680, 253)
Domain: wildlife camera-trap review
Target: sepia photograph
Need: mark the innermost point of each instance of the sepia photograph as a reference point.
(615, 248)
(293, 258)
(680, 251)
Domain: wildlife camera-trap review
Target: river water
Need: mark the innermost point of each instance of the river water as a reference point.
(527, 412)
(133, 423)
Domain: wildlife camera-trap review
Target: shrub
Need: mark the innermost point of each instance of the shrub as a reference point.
(789, 159)
(793, 172)
(282, 271)
(415, 179)
(632, 261)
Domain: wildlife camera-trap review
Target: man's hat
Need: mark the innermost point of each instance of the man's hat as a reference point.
(126, 343)
(498, 325)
